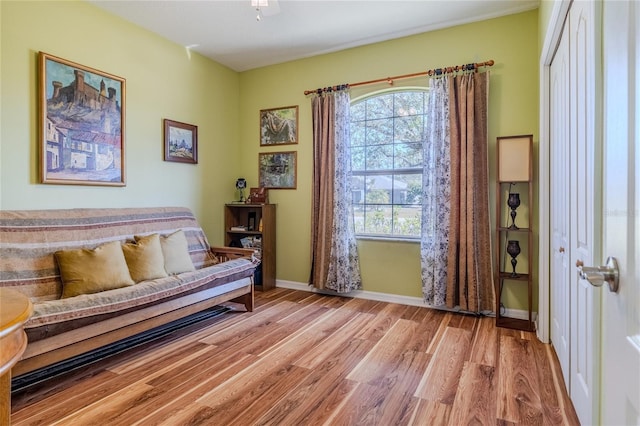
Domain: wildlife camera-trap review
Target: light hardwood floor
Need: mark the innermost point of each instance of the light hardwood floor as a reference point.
(306, 359)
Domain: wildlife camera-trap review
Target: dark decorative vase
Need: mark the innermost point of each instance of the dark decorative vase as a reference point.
(513, 248)
(513, 202)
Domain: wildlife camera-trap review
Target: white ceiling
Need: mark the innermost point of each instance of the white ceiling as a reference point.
(227, 30)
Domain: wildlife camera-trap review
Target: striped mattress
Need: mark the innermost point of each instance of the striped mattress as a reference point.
(28, 239)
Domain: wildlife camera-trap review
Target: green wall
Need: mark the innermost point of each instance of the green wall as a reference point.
(166, 81)
(544, 12)
(163, 80)
(388, 267)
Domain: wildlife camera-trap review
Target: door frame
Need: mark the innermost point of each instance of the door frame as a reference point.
(558, 16)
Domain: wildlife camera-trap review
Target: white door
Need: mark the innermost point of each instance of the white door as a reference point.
(559, 202)
(585, 194)
(621, 310)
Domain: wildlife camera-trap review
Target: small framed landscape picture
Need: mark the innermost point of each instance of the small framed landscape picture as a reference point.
(180, 142)
(277, 170)
(279, 126)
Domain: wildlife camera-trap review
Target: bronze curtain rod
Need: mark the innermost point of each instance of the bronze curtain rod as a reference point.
(436, 71)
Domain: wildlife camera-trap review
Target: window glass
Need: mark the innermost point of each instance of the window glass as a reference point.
(387, 134)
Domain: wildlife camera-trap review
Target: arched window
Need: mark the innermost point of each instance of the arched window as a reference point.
(387, 134)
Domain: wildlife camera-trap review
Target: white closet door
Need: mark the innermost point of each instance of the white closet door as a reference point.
(621, 316)
(559, 206)
(585, 222)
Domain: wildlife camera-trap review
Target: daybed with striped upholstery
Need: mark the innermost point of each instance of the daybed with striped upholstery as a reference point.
(61, 328)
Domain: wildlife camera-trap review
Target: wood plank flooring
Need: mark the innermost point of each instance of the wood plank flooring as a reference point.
(307, 359)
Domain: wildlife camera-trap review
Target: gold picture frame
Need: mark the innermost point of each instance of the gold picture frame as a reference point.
(81, 114)
(279, 126)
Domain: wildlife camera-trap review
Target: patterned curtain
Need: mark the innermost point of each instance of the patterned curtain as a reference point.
(436, 194)
(334, 255)
(456, 244)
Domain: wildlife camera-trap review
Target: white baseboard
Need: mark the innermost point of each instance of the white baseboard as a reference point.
(386, 297)
(519, 314)
(359, 294)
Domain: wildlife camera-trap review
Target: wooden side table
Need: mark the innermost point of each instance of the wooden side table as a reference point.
(15, 310)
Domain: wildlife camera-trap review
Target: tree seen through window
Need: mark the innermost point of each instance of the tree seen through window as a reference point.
(387, 133)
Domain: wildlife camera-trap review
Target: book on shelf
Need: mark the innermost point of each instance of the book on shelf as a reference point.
(238, 228)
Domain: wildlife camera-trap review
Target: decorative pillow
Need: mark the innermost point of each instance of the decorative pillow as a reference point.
(176, 253)
(144, 258)
(85, 271)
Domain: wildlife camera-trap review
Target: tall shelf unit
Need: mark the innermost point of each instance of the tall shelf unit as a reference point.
(259, 221)
(514, 239)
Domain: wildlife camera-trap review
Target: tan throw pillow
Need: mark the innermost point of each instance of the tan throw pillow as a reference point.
(176, 253)
(85, 271)
(144, 258)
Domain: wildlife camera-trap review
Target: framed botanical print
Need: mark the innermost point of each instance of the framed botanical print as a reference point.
(279, 126)
(278, 170)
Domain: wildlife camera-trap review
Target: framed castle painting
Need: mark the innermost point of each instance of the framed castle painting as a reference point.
(81, 124)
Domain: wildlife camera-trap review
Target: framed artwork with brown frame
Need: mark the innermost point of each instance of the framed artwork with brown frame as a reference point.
(278, 170)
(279, 126)
(180, 142)
(81, 115)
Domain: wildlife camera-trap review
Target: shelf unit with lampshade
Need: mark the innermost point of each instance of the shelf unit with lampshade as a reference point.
(514, 239)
